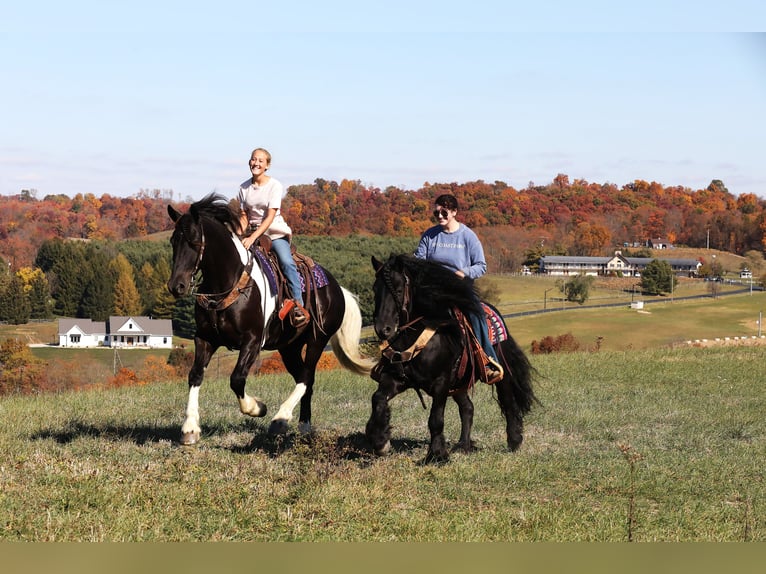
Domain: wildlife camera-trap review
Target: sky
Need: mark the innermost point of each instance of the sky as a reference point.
(119, 97)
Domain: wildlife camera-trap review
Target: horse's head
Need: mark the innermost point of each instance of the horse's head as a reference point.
(392, 297)
(407, 288)
(188, 242)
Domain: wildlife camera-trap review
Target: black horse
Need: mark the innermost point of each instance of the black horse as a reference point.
(236, 308)
(417, 308)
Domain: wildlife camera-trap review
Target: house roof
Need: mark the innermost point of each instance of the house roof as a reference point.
(604, 260)
(146, 325)
(86, 326)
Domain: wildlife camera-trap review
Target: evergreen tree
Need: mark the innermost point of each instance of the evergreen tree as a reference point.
(98, 299)
(127, 301)
(657, 278)
(68, 276)
(184, 324)
(40, 298)
(15, 307)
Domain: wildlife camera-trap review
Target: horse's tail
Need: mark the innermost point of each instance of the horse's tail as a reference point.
(345, 341)
(514, 392)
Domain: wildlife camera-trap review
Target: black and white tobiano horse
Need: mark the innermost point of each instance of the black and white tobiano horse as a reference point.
(236, 308)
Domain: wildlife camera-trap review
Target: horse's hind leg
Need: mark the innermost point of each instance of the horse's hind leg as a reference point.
(302, 370)
(465, 408)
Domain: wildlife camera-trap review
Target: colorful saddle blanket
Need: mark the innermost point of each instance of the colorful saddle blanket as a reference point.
(498, 332)
(319, 275)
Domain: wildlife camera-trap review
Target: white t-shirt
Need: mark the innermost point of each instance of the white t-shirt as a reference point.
(256, 200)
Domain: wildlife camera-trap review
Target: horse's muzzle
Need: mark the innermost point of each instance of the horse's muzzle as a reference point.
(177, 289)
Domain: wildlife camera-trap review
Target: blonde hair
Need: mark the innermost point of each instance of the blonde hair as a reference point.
(268, 155)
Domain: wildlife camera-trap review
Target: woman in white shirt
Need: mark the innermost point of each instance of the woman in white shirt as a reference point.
(260, 200)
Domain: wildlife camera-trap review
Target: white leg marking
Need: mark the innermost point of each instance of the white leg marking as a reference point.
(191, 426)
(285, 412)
(252, 406)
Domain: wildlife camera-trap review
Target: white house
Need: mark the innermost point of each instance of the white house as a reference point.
(81, 333)
(117, 332)
(616, 264)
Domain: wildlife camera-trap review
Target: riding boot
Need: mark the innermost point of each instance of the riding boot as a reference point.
(297, 312)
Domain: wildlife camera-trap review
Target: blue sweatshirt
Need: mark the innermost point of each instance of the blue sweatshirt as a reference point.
(460, 250)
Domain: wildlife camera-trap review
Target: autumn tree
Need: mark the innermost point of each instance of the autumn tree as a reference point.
(590, 239)
(127, 301)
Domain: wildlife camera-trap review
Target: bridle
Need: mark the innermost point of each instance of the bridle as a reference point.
(404, 302)
(216, 301)
(200, 245)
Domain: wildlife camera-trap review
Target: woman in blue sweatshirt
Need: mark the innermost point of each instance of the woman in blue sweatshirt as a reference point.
(457, 247)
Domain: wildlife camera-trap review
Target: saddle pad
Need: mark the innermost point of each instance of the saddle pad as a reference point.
(498, 332)
(318, 273)
(268, 271)
(320, 277)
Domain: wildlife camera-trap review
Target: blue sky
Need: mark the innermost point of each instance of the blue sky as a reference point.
(116, 97)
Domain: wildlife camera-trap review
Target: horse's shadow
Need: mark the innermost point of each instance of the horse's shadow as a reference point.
(139, 435)
(351, 447)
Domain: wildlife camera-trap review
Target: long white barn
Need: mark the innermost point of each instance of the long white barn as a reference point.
(117, 332)
(616, 264)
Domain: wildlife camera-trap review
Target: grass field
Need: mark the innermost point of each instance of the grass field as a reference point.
(651, 445)
(649, 439)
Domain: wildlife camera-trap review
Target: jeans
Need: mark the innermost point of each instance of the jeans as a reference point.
(281, 247)
(479, 325)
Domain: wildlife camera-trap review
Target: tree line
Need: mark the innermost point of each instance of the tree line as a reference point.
(98, 279)
(562, 217)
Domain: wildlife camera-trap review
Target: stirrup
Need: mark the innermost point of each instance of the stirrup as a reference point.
(299, 316)
(494, 371)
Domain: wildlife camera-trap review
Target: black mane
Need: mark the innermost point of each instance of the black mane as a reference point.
(435, 288)
(218, 207)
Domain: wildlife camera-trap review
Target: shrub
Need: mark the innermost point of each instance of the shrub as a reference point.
(566, 343)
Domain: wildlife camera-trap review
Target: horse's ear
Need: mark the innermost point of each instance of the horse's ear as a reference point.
(173, 213)
(376, 264)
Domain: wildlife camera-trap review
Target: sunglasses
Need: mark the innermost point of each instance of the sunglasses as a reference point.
(441, 213)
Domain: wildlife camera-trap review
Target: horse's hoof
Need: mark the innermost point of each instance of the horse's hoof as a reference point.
(384, 450)
(278, 427)
(436, 458)
(190, 438)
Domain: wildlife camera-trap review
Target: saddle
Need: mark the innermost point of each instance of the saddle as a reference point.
(471, 364)
(306, 272)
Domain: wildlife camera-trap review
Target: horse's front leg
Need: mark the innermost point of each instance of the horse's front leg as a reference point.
(190, 430)
(378, 428)
(465, 409)
(437, 451)
(251, 406)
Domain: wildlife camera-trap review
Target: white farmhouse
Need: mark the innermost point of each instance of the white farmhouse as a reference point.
(117, 332)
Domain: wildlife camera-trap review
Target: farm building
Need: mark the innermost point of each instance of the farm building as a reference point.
(117, 332)
(616, 264)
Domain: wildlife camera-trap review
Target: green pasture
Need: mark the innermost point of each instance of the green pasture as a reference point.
(645, 445)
